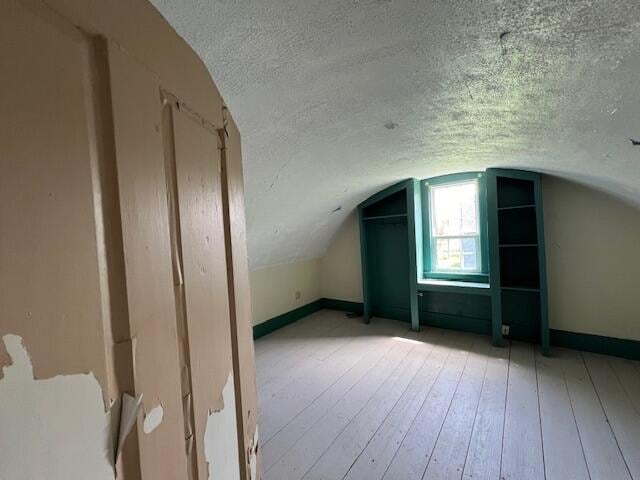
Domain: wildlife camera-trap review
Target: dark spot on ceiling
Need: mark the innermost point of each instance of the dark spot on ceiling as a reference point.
(503, 37)
(390, 125)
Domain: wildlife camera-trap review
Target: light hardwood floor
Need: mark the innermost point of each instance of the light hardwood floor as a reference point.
(343, 400)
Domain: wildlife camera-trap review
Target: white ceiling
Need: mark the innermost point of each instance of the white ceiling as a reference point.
(337, 99)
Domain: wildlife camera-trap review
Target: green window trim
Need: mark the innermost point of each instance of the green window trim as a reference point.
(427, 272)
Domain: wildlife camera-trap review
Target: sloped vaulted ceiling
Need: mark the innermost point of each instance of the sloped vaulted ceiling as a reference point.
(337, 99)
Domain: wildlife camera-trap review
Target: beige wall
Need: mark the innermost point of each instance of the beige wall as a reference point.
(593, 259)
(341, 268)
(282, 288)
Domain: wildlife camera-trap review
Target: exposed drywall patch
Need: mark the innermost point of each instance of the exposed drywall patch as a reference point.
(153, 419)
(221, 438)
(55, 428)
(253, 456)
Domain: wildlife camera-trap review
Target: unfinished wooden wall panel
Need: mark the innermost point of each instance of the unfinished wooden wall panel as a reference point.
(238, 271)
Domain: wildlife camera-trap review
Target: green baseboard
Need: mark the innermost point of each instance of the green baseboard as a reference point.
(618, 347)
(343, 305)
(285, 319)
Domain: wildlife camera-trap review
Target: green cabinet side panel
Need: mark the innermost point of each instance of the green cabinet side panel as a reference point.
(388, 269)
(494, 260)
(364, 255)
(414, 224)
(542, 261)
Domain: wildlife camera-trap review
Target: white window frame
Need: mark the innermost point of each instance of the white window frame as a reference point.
(434, 238)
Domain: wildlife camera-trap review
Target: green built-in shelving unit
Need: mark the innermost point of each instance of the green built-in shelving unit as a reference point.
(389, 253)
(517, 255)
(515, 296)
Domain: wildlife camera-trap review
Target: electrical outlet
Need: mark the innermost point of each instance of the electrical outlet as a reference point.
(298, 295)
(505, 329)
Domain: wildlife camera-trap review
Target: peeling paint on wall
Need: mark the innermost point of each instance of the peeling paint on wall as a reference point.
(253, 456)
(220, 446)
(153, 419)
(55, 428)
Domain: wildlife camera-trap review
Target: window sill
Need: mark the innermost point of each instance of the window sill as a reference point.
(453, 286)
(457, 277)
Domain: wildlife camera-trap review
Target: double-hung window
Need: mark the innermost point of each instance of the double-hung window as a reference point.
(455, 227)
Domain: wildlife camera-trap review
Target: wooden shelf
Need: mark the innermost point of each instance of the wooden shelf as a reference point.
(516, 207)
(384, 217)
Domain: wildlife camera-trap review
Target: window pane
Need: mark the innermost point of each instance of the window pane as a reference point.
(469, 261)
(455, 209)
(456, 253)
(448, 253)
(469, 245)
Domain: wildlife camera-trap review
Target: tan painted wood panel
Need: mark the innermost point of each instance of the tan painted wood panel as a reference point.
(137, 27)
(51, 287)
(240, 303)
(145, 228)
(197, 159)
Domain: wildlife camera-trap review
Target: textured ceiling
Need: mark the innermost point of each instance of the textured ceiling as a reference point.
(336, 99)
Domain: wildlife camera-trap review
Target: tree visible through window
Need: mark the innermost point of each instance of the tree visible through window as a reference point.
(455, 227)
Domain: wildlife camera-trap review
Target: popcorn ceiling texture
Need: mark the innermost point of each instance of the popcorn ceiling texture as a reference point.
(316, 86)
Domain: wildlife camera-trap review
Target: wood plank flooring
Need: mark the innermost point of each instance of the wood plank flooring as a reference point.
(342, 400)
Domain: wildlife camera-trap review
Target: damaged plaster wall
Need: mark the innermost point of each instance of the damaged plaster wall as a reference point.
(221, 451)
(54, 429)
